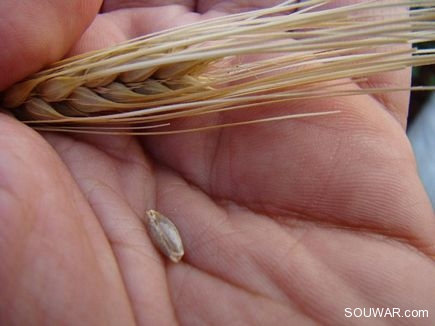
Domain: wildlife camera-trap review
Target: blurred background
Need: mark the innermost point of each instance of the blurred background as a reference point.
(421, 125)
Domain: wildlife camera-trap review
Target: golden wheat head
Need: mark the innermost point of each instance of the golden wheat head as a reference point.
(140, 86)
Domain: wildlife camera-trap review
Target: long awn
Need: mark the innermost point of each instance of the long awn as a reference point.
(289, 52)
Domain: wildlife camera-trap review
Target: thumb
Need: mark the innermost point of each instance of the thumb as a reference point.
(36, 33)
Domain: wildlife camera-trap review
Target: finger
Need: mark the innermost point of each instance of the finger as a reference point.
(122, 19)
(111, 5)
(233, 6)
(35, 33)
(118, 183)
(56, 261)
(115, 26)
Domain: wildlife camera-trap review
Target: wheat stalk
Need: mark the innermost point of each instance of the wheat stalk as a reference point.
(303, 51)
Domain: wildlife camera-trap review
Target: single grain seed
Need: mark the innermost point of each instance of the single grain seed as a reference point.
(165, 236)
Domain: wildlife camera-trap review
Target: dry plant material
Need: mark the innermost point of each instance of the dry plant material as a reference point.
(301, 50)
(165, 236)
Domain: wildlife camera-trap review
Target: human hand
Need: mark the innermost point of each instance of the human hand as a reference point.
(283, 223)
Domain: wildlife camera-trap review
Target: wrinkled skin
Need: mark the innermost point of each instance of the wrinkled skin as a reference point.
(283, 223)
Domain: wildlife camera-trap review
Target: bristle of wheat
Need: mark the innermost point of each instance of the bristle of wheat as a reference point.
(207, 67)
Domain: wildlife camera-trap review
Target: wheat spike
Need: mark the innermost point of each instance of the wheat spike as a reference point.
(303, 51)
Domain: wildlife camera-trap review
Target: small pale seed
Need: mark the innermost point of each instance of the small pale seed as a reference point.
(165, 236)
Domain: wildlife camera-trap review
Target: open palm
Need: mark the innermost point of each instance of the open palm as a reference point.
(283, 223)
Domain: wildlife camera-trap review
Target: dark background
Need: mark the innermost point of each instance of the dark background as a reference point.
(421, 76)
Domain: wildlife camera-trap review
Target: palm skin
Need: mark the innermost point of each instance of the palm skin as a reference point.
(283, 223)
